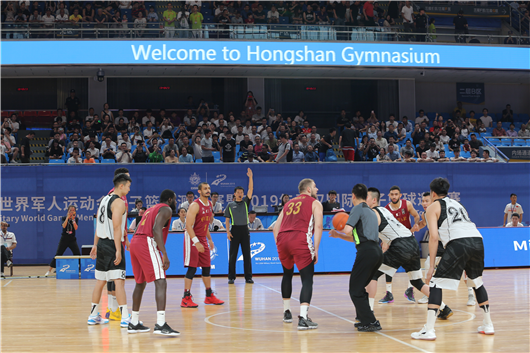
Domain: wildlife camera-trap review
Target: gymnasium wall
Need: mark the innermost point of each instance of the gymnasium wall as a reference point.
(34, 197)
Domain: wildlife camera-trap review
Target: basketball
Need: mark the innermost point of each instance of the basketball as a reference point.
(339, 220)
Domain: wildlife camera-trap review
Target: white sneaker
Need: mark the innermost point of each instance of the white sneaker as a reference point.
(486, 329)
(3, 276)
(471, 300)
(47, 274)
(424, 334)
(423, 300)
(9, 263)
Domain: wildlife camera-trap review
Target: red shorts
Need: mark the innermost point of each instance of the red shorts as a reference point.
(349, 153)
(194, 258)
(295, 248)
(146, 260)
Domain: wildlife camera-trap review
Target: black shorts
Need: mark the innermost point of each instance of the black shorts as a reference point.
(403, 252)
(440, 250)
(106, 270)
(460, 254)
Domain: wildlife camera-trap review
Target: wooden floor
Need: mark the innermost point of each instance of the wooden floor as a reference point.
(49, 315)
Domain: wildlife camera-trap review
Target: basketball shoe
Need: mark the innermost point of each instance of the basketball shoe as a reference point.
(287, 316)
(486, 329)
(187, 302)
(306, 324)
(423, 300)
(374, 326)
(137, 328)
(388, 298)
(446, 313)
(165, 330)
(409, 294)
(213, 300)
(97, 320)
(423, 334)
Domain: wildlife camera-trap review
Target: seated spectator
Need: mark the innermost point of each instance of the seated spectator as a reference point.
(265, 154)
(439, 144)
(149, 131)
(392, 143)
(511, 132)
(155, 153)
(380, 141)
(407, 148)
(432, 153)
(138, 204)
(507, 114)
(88, 158)
(108, 149)
(140, 154)
(243, 145)
(92, 148)
(444, 137)
(466, 147)
(124, 138)
(184, 156)
(457, 157)
(391, 133)
(454, 143)
(443, 157)
(217, 207)
(514, 223)
(245, 155)
(75, 159)
(474, 157)
(499, 131)
(298, 156)
(258, 145)
(523, 133)
(251, 159)
(122, 127)
(179, 225)
(424, 158)
(171, 146)
(408, 157)
(254, 223)
(215, 224)
(383, 156)
(124, 155)
(273, 16)
(486, 119)
(392, 154)
(475, 143)
(370, 150)
(331, 204)
(272, 142)
(75, 144)
(422, 117)
(171, 157)
(55, 151)
(486, 157)
(311, 155)
(134, 224)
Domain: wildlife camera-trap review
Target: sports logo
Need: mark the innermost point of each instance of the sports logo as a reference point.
(219, 179)
(213, 253)
(65, 267)
(89, 268)
(195, 179)
(255, 248)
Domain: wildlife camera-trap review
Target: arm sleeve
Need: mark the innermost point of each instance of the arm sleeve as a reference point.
(355, 215)
(247, 200)
(14, 241)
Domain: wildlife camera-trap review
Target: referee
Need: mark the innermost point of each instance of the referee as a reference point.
(362, 228)
(236, 213)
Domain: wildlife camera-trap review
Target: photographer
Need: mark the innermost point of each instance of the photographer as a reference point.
(165, 128)
(155, 155)
(11, 123)
(140, 153)
(108, 149)
(68, 240)
(8, 243)
(124, 155)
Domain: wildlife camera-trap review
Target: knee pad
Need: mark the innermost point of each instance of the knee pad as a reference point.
(111, 287)
(481, 294)
(417, 283)
(377, 275)
(191, 272)
(435, 296)
(206, 271)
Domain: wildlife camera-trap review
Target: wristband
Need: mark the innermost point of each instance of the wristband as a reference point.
(195, 240)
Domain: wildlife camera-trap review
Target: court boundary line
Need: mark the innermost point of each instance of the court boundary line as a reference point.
(5, 285)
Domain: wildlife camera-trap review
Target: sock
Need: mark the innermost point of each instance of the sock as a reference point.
(208, 292)
(303, 311)
(160, 318)
(95, 310)
(135, 318)
(389, 287)
(410, 285)
(124, 311)
(286, 305)
(487, 317)
(187, 292)
(442, 306)
(371, 301)
(470, 291)
(113, 303)
(431, 319)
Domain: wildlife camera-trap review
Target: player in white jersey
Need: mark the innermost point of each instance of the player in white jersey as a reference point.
(449, 222)
(108, 249)
(400, 249)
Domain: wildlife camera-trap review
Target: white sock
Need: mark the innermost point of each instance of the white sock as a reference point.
(286, 304)
(487, 318)
(442, 306)
(113, 303)
(389, 287)
(410, 285)
(160, 318)
(303, 311)
(371, 301)
(95, 310)
(431, 319)
(470, 291)
(135, 317)
(124, 311)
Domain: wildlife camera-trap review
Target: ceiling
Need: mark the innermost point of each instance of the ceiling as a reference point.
(438, 75)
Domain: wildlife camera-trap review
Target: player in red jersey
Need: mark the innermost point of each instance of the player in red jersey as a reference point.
(196, 249)
(401, 210)
(113, 310)
(148, 241)
(299, 219)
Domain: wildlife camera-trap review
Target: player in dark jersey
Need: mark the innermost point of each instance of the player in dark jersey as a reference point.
(401, 210)
(299, 219)
(148, 241)
(197, 245)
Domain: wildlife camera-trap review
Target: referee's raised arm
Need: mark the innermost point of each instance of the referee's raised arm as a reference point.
(250, 190)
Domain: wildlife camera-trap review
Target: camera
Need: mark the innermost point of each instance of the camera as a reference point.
(100, 75)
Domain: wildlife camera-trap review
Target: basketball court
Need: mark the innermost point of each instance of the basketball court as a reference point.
(49, 315)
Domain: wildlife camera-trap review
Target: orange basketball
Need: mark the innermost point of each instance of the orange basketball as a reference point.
(339, 220)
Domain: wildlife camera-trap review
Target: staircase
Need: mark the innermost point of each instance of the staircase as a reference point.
(38, 145)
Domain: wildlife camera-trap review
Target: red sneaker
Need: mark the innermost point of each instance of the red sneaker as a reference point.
(213, 300)
(187, 302)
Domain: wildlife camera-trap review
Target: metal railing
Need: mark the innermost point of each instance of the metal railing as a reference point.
(518, 20)
(496, 152)
(243, 32)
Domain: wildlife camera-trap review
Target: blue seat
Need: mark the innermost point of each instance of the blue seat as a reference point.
(528, 142)
(449, 154)
(56, 161)
(519, 142)
(216, 156)
(496, 142)
(506, 142)
(198, 160)
(109, 161)
(465, 154)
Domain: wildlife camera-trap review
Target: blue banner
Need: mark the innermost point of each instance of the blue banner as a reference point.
(67, 268)
(218, 52)
(33, 198)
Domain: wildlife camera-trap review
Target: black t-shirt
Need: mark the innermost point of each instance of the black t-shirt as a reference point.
(342, 120)
(420, 150)
(88, 131)
(191, 128)
(243, 145)
(229, 150)
(450, 130)
(72, 104)
(340, 10)
(418, 137)
(323, 147)
(259, 14)
(69, 231)
(475, 144)
(454, 144)
(265, 156)
(421, 21)
(141, 155)
(27, 150)
(348, 137)
(372, 152)
(329, 206)
(460, 22)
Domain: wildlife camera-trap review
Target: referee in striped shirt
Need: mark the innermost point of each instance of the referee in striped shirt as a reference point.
(236, 214)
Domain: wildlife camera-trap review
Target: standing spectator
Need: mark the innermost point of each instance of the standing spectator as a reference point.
(140, 23)
(461, 27)
(514, 222)
(512, 208)
(68, 239)
(347, 142)
(169, 21)
(486, 119)
(283, 149)
(124, 155)
(342, 119)
(507, 114)
(331, 204)
(183, 21)
(499, 131)
(72, 103)
(207, 148)
(106, 111)
(421, 25)
(254, 223)
(432, 29)
(8, 243)
(25, 149)
(152, 16)
(368, 13)
(196, 19)
(407, 12)
(326, 142)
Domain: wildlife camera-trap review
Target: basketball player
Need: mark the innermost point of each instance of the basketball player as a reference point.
(108, 248)
(362, 229)
(196, 250)
(148, 241)
(426, 202)
(401, 210)
(400, 249)
(113, 312)
(449, 222)
(299, 219)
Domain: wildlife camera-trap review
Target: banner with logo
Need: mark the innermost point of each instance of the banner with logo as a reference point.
(469, 10)
(516, 152)
(470, 93)
(33, 198)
